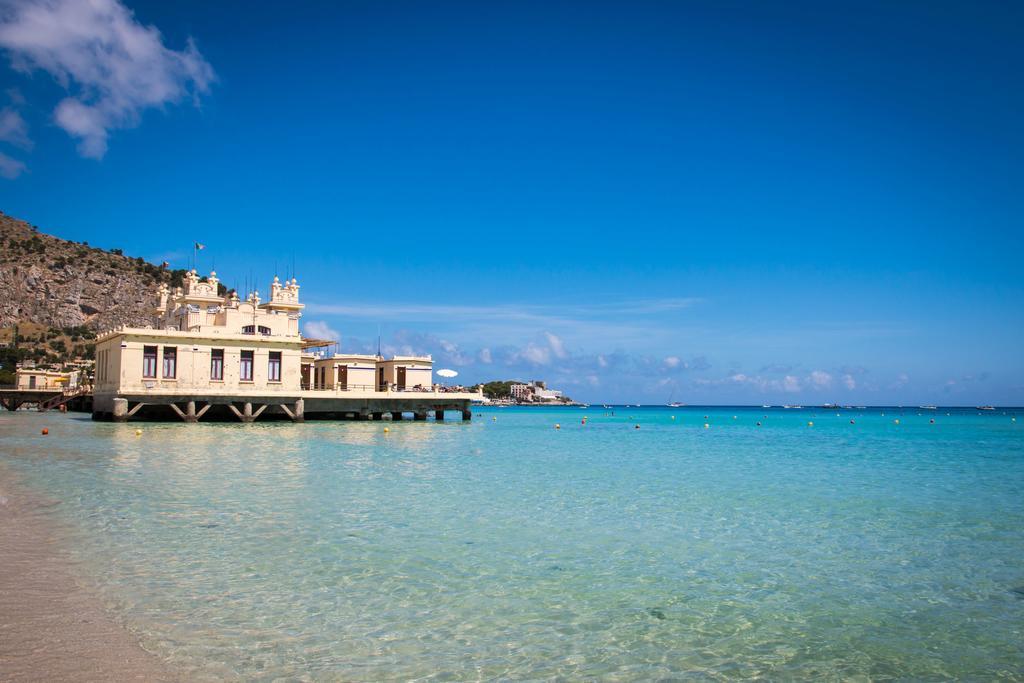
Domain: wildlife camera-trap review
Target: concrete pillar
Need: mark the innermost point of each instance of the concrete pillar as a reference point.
(247, 412)
(190, 412)
(363, 415)
(396, 415)
(439, 414)
(378, 416)
(120, 410)
(299, 411)
(420, 416)
(467, 414)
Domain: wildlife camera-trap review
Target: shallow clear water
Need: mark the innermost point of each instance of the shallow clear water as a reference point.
(506, 549)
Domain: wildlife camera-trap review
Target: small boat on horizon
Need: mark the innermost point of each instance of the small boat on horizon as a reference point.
(985, 408)
(792, 407)
(927, 407)
(675, 404)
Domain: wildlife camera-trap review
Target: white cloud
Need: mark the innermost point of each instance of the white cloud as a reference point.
(790, 383)
(318, 329)
(13, 129)
(556, 345)
(821, 379)
(113, 66)
(672, 362)
(10, 168)
(849, 381)
(537, 355)
(602, 361)
(485, 356)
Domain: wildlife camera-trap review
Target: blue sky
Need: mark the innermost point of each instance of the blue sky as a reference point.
(709, 202)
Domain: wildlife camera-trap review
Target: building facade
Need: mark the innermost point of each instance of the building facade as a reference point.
(217, 349)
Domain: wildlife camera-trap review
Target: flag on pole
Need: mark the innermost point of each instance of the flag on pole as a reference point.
(200, 246)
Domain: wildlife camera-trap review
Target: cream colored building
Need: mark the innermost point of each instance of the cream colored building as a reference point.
(218, 349)
(204, 342)
(37, 378)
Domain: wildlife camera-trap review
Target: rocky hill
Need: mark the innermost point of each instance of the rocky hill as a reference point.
(55, 294)
(60, 284)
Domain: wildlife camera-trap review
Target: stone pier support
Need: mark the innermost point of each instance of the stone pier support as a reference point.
(378, 416)
(467, 415)
(396, 415)
(120, 413)
(439, 414)
(420, 417)
(300, 411)
(363, 415)
(190, 412)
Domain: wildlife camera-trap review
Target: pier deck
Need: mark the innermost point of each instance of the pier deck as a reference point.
(164, 404)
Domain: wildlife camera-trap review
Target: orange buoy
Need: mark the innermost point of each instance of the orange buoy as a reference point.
(45, 431)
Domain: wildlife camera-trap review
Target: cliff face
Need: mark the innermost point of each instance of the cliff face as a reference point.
(60, 284)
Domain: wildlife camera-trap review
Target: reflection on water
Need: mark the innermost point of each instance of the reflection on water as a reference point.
(507, 549)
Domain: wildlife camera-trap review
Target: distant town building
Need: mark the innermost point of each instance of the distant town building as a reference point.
(535, 392)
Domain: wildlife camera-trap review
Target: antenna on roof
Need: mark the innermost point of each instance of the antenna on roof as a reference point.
(378, 342)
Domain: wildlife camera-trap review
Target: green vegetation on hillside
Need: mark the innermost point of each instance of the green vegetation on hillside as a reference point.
(499, 389)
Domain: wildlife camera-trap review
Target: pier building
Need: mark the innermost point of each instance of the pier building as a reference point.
(209, 353)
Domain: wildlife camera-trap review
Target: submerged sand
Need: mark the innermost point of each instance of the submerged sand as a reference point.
(51, 627)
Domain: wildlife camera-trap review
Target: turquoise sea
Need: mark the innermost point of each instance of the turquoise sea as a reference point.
(507, 549)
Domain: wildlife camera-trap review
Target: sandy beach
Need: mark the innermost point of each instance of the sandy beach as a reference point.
(51, 628)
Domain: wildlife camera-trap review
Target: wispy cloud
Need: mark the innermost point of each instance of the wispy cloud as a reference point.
(13, 129)
(559, 313)
(318, 329)
(113, 67)
(10, 168)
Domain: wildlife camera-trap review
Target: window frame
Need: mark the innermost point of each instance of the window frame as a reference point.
(169, 361)
(246, 364)
(216, 365)
(274, 366)
(149, 362)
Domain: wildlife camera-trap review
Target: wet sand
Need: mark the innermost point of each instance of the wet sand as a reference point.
(51, 627)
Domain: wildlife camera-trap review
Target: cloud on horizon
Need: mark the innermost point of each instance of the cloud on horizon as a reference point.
(113, 67)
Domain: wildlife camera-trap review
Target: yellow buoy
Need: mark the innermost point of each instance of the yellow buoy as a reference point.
(386, 430)
(707, 426)
(494, 419)
(810, 424)
(673, 417)
(896, 421)
(138, 432)
(557, 426)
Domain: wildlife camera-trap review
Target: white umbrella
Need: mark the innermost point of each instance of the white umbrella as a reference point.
(447, 373)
